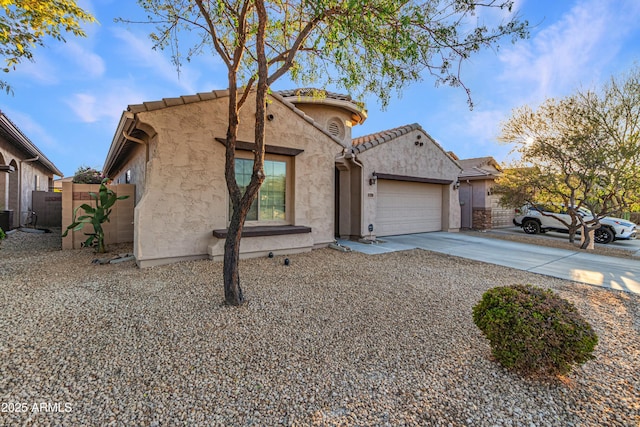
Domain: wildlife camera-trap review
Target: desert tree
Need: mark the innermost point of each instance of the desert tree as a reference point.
(26, 24)
(366, 46)
(582, 151)
(615, 112)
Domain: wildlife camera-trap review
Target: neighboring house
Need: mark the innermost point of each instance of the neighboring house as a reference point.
(57, 183)
(318, 184)
(480, 209)
(23, 169)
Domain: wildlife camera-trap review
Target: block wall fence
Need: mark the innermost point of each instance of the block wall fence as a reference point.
(120, 227)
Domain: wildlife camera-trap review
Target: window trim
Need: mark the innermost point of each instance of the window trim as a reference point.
(268, 149)
(288, 197)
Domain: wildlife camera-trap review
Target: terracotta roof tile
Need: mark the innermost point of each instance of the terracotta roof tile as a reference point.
(188, 99)
(473, 168)
(365, 142)
(314, 92)
(476, 161)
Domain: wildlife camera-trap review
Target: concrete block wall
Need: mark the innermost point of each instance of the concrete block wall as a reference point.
(120, 227)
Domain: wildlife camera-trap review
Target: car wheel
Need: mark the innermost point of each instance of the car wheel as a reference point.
(531, 226)
(603, 235)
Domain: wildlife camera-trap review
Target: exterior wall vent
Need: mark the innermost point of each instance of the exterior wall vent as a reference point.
(336, 128)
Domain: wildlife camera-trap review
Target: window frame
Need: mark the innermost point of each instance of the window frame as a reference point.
(288, 197)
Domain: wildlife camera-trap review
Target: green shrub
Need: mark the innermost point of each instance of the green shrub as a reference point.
(533, 331)
(2, 234)
(87, 175)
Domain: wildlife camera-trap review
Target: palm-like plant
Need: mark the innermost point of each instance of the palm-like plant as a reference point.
(105, 198)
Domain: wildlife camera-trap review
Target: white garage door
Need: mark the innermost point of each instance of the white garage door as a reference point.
(408, 207)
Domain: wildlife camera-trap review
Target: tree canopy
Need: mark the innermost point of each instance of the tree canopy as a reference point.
(25, 24)
(360, 45)
(87, 175)
(581, 151)
(363, 46)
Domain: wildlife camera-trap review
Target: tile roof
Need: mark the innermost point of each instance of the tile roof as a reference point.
(118, 142)
(475, 162)
(313, 92)
(322, 96)
(181, 100)
(363, 143)
(473, 168)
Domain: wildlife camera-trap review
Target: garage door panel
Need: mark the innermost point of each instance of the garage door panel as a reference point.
(408, 207)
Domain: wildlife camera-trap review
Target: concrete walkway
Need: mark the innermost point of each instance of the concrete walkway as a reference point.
(609, 272)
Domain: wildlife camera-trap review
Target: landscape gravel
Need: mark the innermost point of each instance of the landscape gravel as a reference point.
(333, 339)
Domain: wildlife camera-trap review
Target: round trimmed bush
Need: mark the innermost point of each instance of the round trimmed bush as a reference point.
(533, 331)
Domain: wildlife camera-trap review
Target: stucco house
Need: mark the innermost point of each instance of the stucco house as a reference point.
(397, 181)
(480, 208)
(320, 183)
(23, 169)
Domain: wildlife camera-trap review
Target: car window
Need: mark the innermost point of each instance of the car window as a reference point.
(584, 211)
(554, 209)
(539, 207)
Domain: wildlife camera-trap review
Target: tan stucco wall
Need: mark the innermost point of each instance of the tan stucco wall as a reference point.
(137, 166)
(402, 156)
(323, 114)
(185, 195)
(10, 195)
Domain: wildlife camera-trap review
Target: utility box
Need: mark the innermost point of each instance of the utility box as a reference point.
(6, 220)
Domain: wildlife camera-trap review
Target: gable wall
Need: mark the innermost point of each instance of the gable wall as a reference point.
(185, 196)
(402, 157)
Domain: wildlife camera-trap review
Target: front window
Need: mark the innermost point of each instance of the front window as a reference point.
(270, 205)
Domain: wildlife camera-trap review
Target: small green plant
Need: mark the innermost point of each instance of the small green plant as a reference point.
(105, 199)
(2, 235)
(533, 331)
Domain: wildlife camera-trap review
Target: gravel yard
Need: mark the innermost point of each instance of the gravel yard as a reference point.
(333, 339)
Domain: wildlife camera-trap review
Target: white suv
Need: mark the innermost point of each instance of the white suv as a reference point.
(532, 221)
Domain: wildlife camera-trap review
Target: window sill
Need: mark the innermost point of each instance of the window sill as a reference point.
(266, 230)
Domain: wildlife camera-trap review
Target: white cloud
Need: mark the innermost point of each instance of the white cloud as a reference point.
(484, 125)
(105, 104)
(140, 53)
(30, 127)
(89, 64)
(573, 51)
(41, 70)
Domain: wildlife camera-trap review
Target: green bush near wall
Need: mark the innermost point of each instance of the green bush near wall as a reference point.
(533, 331)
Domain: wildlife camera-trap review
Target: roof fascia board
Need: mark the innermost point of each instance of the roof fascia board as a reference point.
(24, 143)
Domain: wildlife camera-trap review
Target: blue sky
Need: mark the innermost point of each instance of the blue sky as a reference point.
(69, 101)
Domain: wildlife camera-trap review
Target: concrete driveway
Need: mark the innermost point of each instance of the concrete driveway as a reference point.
(610, 272)
(627, 245)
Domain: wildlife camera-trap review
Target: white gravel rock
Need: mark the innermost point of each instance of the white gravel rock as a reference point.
(333, 339)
